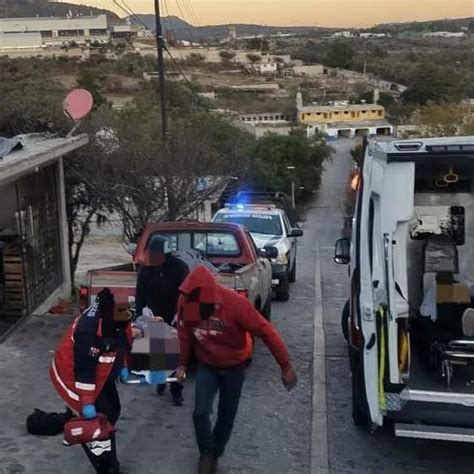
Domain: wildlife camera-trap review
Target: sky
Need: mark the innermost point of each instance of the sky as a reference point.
(337, 13)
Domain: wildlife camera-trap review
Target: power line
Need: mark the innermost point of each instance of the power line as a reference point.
(189, 6)
(183, 16)
(170, 23)
(128, 10)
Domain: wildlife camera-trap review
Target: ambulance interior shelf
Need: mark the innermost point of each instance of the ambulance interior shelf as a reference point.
(443, 332)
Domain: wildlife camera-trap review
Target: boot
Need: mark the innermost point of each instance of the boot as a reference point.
(207, 465)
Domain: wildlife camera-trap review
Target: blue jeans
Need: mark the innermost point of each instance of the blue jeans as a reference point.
(209, 381)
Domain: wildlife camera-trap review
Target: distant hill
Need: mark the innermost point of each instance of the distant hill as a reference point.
(455, 25)
(174, 26)
(32, 8)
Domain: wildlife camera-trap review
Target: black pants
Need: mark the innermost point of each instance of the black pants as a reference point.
(103, 454)
(209, 381)
(176, 389)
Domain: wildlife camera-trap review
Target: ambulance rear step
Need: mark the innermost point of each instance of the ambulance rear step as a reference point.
(445, 433)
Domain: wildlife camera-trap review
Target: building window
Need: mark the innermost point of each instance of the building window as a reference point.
(380, 113)
(346, 113)
(325, 116)
(98, 32)
(46, 34)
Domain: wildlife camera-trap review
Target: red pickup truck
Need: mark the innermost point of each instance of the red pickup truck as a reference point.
(229, 247)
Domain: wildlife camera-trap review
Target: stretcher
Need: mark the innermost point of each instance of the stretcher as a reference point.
(154, 357)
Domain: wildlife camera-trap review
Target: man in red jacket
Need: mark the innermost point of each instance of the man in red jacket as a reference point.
(218, 324)
(89, 359)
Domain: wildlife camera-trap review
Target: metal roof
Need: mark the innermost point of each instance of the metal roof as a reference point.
(37, 151)
(339, 108)
(426, 148)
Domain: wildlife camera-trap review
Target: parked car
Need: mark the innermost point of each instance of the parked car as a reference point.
(238, 263)
(269, 226)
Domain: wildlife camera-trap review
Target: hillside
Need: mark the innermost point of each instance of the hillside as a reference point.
(32, 8)
(174, 26)
(457, 24)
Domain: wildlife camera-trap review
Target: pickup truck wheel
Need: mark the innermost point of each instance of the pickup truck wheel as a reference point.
(283, 289)
(345, 321)
(292, 277)
(267, 309)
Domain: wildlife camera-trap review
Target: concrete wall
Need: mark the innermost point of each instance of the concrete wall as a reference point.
(22, 25)
(341, 114)
(309, 70)
(46, 53)
(352, 131)
(20, 40)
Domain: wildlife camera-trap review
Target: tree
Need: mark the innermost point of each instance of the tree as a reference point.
(93, 81)
(226, 56)
(441, 120)
(27, 105)
(254, 58)
(340, 54)
(385, 100)
(357, 154)
(431, 83)
(273, 155)
(143, 179)
(195, 59)
(257, 44)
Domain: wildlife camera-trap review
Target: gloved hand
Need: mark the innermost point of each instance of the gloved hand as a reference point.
(124, 375)
(88, 411)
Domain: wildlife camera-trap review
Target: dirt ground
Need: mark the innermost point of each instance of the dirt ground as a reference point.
(101, 251)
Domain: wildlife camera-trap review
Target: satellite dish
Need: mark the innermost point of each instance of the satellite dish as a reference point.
(78, 104)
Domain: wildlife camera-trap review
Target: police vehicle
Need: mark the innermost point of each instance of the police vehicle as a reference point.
(269, 226)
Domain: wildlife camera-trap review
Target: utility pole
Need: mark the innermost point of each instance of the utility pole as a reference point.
(161, 68)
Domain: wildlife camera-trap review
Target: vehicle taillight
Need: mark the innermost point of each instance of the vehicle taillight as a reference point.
(356, 333)
(83, 297)
(243, 293)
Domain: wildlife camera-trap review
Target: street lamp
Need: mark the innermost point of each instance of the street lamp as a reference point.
(293, 197)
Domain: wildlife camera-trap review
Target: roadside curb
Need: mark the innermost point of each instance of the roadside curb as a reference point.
(319, 422)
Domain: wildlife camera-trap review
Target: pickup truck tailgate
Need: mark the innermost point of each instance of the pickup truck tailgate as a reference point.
(121, 283)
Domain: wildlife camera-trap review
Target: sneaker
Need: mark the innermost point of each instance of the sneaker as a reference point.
(207, 465)
(160, 389)
(177, 400)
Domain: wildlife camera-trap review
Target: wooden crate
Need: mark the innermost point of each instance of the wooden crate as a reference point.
(15, 303)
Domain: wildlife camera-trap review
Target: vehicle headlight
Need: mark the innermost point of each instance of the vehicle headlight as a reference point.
(281, 259)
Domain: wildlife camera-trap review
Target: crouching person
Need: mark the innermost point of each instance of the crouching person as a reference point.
(89, 359)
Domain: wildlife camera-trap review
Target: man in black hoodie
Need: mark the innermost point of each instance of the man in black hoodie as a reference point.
(158, 285)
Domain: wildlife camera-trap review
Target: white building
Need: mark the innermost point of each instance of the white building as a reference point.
(265, 68)
(309, 70)
(20, 41)
(445, 34)
(58, 31)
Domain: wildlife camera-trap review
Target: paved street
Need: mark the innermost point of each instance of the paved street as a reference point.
(273, 428)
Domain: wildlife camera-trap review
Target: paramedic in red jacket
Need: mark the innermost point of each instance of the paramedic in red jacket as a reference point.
(89, 359)
(217, 323)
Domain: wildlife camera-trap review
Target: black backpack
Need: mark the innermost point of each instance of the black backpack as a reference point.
(40, 423)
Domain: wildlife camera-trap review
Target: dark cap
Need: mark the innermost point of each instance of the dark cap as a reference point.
(159, 244)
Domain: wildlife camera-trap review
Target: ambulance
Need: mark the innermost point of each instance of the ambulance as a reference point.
(409, 319)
